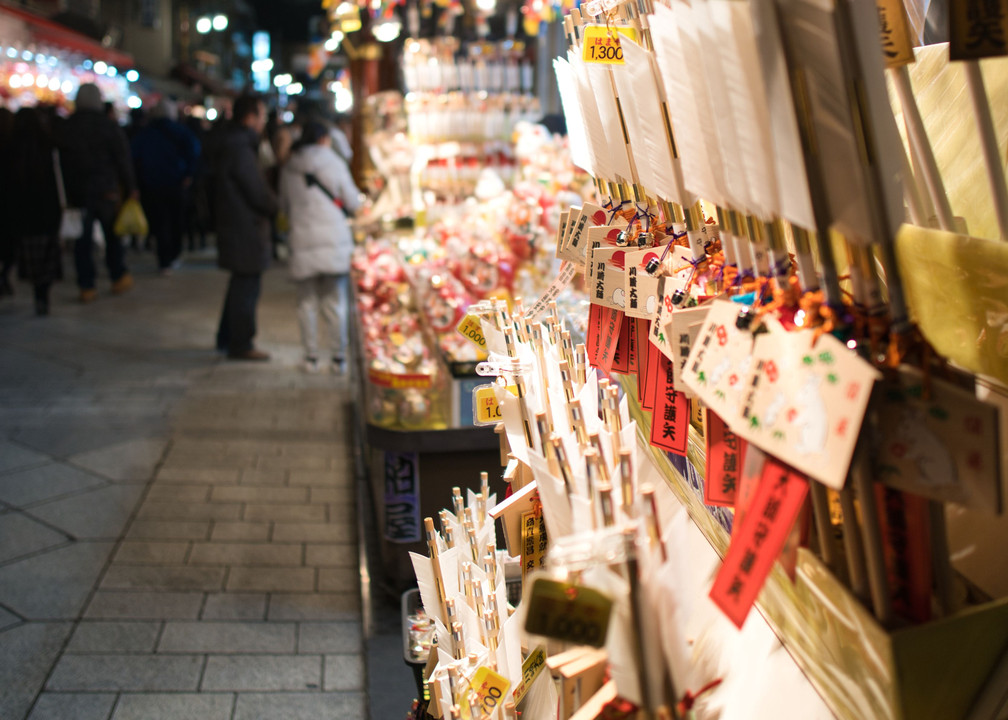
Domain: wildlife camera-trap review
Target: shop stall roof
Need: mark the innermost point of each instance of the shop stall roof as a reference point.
(47, 32)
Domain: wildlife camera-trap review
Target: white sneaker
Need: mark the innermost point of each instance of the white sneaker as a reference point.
(337, 366)
(311, 365)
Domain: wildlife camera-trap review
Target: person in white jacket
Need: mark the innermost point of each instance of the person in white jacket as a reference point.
(317, 192)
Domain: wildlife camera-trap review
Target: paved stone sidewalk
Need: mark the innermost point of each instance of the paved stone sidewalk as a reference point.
(177, 533)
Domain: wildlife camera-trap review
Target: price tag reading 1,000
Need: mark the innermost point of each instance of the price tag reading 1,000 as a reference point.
(486, 410)
(572, 613)
(489, 690)
(602, 43)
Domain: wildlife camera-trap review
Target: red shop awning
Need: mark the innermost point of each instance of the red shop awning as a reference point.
(47, 32)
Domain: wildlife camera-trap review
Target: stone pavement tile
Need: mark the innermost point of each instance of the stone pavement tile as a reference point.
(314, 532)
(330, 637)
(163, 577)
(246, 554)
(333, 494)
(189, 475)
(189, 511)
(7, 619)
(181, 462)
(94, 514)
(293, 462)
(131, 460)
(193, 446)
(145, 605)
(150, 552)
(20, 535)
(339, 579)
(332, 555)
(286, 513)
(66, 435)
(54, 585)
(315, 606)
(32, 485)
(73, 706)
(338, 476)
(344, 512)
(143, 673)
(344, 672)
(28, 651)
(234, 606)
(178, 492)
(169, 530)
(242, 493)
(174, 706)
(263, 672)
(227, 637)
(299, 706)
(253, 477)
(223, 530)
(114, 637)
(14, 456)
(328, 449)
(300, 579)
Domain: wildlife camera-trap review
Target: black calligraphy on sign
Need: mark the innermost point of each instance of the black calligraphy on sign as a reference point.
(670, 421)
(897, 46)
(978, 29)
(724, 452)
(402, 497)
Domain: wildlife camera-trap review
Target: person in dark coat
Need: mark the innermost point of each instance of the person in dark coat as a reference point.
(164, 155)
(35, 211)
(98, 173)
(245, 206)
(8, 241)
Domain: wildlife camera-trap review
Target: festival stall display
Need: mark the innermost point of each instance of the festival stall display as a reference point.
(776, 282)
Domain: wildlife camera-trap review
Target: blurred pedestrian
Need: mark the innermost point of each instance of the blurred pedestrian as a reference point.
(164, 155)
(8, 241)
(35, 211)
(245, 206)
(98, 173)
(317, 193)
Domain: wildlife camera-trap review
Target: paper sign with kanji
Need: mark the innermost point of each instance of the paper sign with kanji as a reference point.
(804, 404)
(759, 541)
(682, 329)
(941, 444)
(641, 288)
(720, 360)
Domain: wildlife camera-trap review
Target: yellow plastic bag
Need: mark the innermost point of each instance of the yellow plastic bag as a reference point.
(131, 219)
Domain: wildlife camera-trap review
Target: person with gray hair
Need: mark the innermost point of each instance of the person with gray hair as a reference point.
(165, 154)
(97, 174)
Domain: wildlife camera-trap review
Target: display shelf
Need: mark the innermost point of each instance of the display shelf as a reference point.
(861, 669)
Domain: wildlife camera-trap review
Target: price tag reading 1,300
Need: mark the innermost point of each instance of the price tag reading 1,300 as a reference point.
(602, 45)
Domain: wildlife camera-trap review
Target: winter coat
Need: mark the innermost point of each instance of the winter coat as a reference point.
(245, 205)
(320, 239)
(95, 158)
(165, 154)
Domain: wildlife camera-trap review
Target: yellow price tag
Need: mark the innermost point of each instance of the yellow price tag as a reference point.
(486, 410)
(487, 692)
(601, 43)
(471, 330)
(534, 664)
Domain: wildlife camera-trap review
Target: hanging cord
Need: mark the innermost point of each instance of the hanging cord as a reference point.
(690, 698)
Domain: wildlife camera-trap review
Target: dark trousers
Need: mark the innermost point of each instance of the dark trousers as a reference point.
(103, 212)
(238, 317)
(164, 209)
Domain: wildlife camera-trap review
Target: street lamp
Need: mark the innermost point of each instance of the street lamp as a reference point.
(204, 25)
(220, 22)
